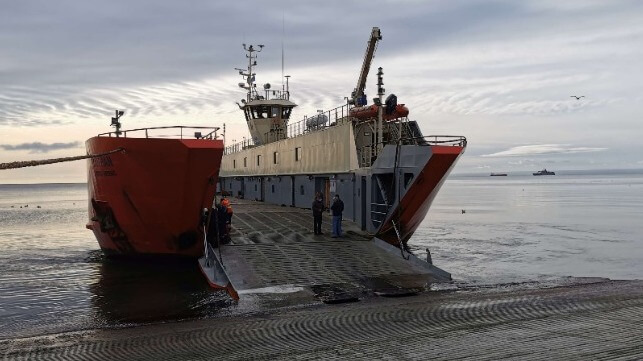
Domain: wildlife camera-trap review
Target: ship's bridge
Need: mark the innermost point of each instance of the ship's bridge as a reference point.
(267, 118)
(266, 109)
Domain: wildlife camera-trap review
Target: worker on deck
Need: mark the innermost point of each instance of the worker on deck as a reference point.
(224, 217)
(318, 209)
(337, 208)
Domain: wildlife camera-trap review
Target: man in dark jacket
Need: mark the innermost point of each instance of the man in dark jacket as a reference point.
(337, 208)
(318, 209)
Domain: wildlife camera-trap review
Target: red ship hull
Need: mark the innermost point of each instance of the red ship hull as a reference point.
(148, 199)
(416, 202)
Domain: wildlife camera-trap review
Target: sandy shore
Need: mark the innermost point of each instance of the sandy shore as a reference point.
(598, 319)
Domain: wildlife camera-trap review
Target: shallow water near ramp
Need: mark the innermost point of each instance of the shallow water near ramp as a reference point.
(520, 228)
(53, 277)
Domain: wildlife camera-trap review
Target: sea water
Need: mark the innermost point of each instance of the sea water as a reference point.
(484, 230)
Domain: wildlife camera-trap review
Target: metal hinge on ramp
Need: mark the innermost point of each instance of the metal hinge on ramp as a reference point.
(420, 265)
(214, 271)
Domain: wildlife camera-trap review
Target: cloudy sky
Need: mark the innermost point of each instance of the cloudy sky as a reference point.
(499, 72)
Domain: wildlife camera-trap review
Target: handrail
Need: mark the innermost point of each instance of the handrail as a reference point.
(326, 119)
(319, 121)
(456, 140)
(210, 135)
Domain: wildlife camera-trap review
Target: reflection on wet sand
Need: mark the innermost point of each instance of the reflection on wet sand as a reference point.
(150, 290)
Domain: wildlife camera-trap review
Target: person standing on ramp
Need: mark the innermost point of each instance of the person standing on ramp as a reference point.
(318, 209)
(337, 208)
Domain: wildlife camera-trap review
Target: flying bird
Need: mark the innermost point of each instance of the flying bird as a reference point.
(577, 97)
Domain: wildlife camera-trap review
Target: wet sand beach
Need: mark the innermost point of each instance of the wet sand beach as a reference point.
(587, 319)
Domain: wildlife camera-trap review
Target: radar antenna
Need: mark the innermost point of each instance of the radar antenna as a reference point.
(116, 122)
(247, 74)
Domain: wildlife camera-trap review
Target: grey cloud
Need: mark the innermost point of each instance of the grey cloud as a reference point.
(488, 67)
(543, 149)
(38, 147)
(57, 52)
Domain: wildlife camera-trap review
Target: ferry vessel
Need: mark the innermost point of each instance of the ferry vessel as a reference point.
(544, 172)
(147, 196)
(374, 157)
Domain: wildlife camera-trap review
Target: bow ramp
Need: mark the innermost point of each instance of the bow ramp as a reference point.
(273, 249)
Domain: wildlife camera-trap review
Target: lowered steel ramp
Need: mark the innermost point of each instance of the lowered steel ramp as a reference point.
(274, 246)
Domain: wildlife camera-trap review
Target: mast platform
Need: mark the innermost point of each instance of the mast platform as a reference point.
(274, 247)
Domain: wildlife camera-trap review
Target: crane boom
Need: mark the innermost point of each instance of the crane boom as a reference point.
(368, 57)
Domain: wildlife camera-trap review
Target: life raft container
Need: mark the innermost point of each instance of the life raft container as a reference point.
(367, 112)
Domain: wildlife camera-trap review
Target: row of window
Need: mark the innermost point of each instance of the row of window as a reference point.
(275, 158)
(267, 111)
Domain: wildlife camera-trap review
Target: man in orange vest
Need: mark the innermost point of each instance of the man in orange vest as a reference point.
(224, 213)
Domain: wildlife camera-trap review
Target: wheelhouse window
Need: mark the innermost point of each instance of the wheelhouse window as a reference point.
(285, 112)
(260, 112)
(275, 112)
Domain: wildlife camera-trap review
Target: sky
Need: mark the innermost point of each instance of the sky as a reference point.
(501, 73)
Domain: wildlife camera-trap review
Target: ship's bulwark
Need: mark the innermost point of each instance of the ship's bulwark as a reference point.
(415, 203)
(148, 199)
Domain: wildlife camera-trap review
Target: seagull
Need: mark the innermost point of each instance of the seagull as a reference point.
(577, 97)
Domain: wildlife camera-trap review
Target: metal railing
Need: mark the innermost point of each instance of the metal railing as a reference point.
(239, 146)
(454, 140)
(123, 133)
(321, 120)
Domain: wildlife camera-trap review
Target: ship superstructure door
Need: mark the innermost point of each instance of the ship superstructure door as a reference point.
(322, 186)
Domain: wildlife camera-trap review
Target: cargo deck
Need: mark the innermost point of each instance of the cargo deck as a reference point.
(274, 246)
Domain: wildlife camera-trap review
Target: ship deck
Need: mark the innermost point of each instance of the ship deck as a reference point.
(274, 246)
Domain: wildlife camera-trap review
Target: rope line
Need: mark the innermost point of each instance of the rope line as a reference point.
(34, 163)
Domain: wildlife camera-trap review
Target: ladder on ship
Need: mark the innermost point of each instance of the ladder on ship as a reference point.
(380, 211)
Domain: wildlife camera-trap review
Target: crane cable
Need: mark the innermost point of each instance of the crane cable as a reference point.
(34, 163)
(398, 210)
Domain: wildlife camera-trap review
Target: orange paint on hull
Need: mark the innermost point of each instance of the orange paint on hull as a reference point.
(417, 200)
(147, 200)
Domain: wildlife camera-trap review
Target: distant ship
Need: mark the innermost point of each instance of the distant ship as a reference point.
(374, 157)
(147, 198)
(498, 174)
(544, 172)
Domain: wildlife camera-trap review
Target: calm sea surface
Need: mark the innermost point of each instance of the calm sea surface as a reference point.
(54, 278)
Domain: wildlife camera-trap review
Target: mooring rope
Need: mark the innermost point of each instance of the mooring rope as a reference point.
(34, 163)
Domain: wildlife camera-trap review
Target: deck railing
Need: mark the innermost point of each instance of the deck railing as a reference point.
(212, 134)
(319, 121)
(239, 146)
(454, 140)
(325, 119)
